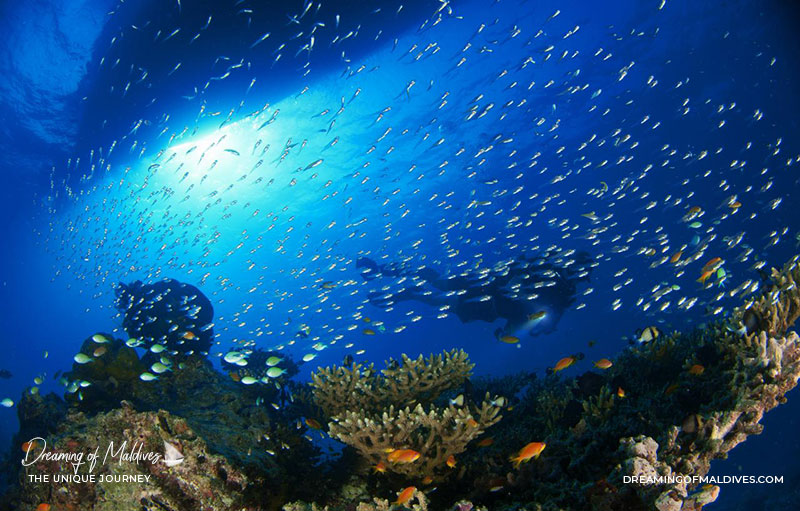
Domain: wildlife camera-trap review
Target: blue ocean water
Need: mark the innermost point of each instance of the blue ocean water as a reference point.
(453, 136)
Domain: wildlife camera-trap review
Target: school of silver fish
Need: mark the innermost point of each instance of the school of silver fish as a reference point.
(442, 148)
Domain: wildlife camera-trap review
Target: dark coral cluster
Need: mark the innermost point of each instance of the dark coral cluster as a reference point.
(203, 481)
(170, 313)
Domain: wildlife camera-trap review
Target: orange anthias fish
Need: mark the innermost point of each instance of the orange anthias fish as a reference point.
(486, 442)
(380, 467)
(708, 270)
(451, 461)
(692, 214)
(312, 423)
(43, 507)
(369, 331)
(189, 336)
(564, 363)
(235, 377)
(532, 450)
(676, 256)
(603, 363)
(403, 456)
(405, 495)
(32, 445)
(620, 392)
(537, 315)
(704, 276)
(696, 369)
(508, 339)
(713, 264)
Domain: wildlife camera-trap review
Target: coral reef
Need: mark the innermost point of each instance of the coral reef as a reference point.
(642, 463)
(667, 408)
(666, 418)
(378, 415)
(221, 410)
(339, 389)
(167, 312)
(777, 310)
(773, 365)
(39, 415)
(261, 441)
(113, 374)
(435, 434)
(417, 502)
(763, 364)
(202, 482)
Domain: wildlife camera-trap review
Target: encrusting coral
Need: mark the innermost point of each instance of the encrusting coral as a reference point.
(776, 310)
(418, 502)
(767, 357)
(380, 414)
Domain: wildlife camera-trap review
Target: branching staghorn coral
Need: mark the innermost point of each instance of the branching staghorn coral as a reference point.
(436, 434)
(377, 414)
(423, 380)
(339, 389)
(598, 407)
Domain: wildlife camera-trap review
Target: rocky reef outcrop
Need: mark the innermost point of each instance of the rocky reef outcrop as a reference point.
(257, 431)
(129, 471)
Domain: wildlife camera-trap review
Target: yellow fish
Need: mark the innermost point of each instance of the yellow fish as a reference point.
(537, 315)
(508, 339)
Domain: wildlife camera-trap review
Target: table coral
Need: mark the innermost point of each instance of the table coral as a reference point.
(377, 414)
(338, 389)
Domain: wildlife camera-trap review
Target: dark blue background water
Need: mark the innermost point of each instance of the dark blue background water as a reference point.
(56, 105)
